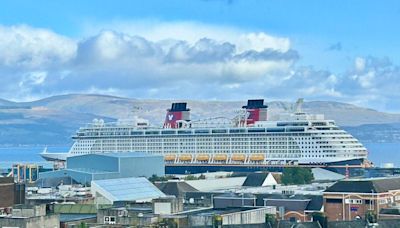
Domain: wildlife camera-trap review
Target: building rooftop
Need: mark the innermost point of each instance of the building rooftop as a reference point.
(291, 202)
(76, 217)
(212, 211)
(127, 189)
(321, 174)
(370, 185)
(255, 179)
(176, 188)
(217, 184)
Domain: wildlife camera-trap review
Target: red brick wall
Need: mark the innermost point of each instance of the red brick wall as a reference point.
(343, 211)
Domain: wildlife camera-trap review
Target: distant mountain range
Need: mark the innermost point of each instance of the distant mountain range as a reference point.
(54, 119)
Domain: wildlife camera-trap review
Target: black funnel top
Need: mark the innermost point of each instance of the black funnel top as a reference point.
(178, 107)
(254, 104)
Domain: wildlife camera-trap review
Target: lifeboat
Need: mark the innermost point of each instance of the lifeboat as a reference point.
(169, 157)
(239, 157)
(185, 157)
(202, 157)
(257, 157)
(220, 157)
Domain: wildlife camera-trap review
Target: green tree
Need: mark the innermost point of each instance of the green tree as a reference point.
(297, 175)
(321, 218)
(155, 178)
(191, 177)
(270, 221)
(370, 216)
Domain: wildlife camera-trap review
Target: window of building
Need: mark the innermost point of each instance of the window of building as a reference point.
(382, 201)
(109, 219)
(353, 201)
(333, 200)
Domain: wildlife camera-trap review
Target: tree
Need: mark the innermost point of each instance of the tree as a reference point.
(191, 177)
(155, 178)
(270, 221)
(371, 217)
(297, 175)
(321, 218)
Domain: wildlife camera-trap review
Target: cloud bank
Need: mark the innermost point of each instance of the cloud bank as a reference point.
(184, 61)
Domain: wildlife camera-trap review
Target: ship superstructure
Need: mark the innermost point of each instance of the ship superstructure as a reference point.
(296, 138)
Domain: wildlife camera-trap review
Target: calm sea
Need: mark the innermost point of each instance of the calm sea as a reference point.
(26, 154)
(379, 153)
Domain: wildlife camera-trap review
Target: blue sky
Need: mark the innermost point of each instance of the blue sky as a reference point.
(206, 49)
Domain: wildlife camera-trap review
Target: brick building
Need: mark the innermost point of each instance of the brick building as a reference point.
(351, 199)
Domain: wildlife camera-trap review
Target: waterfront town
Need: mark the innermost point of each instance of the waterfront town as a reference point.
(120, 190)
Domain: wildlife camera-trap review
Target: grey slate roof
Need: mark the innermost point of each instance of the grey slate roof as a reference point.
(255, 179)
(376, 185)
(176, 188)
(291, 202)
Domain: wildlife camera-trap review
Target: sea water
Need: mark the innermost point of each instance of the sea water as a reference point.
(380, 153)
(27, 154)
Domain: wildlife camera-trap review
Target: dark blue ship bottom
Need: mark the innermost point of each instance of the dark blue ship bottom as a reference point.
(352, 166)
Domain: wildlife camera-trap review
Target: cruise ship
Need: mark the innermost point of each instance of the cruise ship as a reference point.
(247, 142)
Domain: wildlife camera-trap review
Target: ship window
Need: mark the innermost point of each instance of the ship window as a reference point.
(152, 132)
(295, 129)
(136, 132)
(218, 131)
(279, 129)
(168, 132)
(237, 130)
(184, 132)
(256, 130)
(202, 131)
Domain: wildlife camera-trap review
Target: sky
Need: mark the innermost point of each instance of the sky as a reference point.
(345, 51)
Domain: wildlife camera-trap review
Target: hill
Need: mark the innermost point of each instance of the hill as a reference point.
(54, 119)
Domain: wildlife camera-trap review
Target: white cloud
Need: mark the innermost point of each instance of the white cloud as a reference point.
(181, 60)
(24, 46)
(192, 32)
(359, 63)
(261, 41)
(34, 78)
